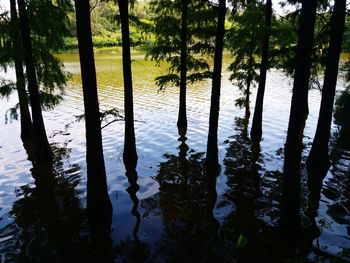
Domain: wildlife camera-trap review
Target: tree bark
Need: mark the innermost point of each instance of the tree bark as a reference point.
(25, 118)
(212, 145)
(130, 153)
(42, 147)
(182, 118)
(319, 151)
(290, 214)
(98, 203)
(256, 131)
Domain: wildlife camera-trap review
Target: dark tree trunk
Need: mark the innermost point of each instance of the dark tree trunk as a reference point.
(256, 131)
(182, 118)
(98, 203)
(247, 98)
(249, 80)
(130, 154)
(212, 145)
(42, 147)
(290, 217)
(319, 151)
(26, 120)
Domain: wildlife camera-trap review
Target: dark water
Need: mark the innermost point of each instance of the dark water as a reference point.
(170, 210)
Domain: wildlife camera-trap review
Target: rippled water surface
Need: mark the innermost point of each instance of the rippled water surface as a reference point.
(179, 217)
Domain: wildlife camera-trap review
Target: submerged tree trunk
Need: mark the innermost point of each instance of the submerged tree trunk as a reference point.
(290, 218)
(182, 118)
(42, 147)
(256, 131)
(212, 144)
(25, 118)
(319, 151)
(98, 203)
(130, 154)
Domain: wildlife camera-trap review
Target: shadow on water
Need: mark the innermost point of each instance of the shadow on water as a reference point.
(185, 201)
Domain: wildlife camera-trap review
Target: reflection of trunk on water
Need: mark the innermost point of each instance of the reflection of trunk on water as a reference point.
(211, 203)
(315, 183)
(186, 200)
(100, 231)
(132, 190)
(48, 220)
(139, 251)
(183, 156)
(242, 226)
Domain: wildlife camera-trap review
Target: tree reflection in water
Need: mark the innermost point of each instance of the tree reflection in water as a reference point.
(50, 223)
(132, 250)
(186, 199)
(250, 231)
(334, 184)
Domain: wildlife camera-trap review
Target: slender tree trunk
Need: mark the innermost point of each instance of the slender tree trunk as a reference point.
(212, 145)
(319, 151)
(290, 217)
(26, 120)
(98, 203)
(43, 150)
(247, 98)
(130, 154)
(182, 118)
(256, 131)
(249, 80)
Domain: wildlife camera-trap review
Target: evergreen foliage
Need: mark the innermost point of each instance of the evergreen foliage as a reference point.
(166, 47)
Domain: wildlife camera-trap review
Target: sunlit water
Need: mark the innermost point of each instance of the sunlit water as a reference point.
(175, 224)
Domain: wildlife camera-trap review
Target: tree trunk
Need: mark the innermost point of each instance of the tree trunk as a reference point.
(182, 118)
(319, 151)
(98, 203)
(212, 145)
(249, 80)
(256, 131)
(290, 216)
(247, 98)
(42, 147)
(25, 118)
(130, 154)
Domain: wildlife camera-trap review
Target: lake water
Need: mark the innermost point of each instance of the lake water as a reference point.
(175, 219)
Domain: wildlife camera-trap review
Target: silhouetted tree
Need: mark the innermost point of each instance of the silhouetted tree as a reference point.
(42, 147)
(212, 144)
(45, 17)
(183, 31)
(98, 203)
(130, 154)
(256, 131)
(290, 219)
(245, 42)
(318, 157)
(182, 118)
(25, 118)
